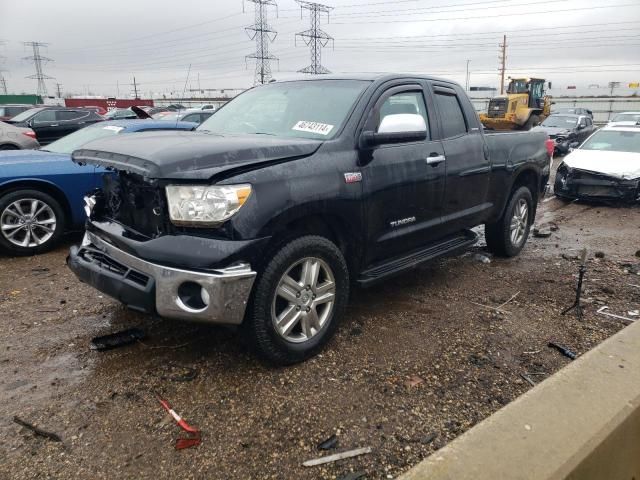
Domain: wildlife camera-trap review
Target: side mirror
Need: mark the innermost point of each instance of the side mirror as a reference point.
(581, 127)
(30, 123)
(398, 128)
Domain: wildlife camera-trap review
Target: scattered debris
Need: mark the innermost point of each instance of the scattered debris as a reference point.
(563, 350)
(413, 381)
(427, 439)
(352, 476)
(188, 375)
(329, 443)
(553, 227)
(633, 313)
(38, 431)
(599, 254)
(118, 339)
(532, 352)
(337, 456)
(541, 232)
(194, 434)
(601, 311)
(499, 307)
(581, 271)
(481, 258)
(527, 378)
(633, 285)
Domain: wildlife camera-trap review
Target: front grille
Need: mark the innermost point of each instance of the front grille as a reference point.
(497, 108)
(135, 203)
(108, 263)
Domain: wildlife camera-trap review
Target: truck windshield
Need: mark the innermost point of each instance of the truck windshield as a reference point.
(613, 140)
(77, 139)
(560, 121)
(307, 109)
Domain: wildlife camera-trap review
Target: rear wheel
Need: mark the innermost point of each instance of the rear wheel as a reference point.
(8, 147)
(507, 236)
(531, 122)
(298, 300)
(31, 222)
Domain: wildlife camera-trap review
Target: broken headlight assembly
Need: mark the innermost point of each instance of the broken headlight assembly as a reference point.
(204, 205)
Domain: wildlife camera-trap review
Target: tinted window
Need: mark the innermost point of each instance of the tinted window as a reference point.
(65, 115)
(45, 116)
(452, 118)
(194, 117)
(405, 102)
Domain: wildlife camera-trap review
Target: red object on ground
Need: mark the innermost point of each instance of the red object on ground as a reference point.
(194, 433)
(550, 144)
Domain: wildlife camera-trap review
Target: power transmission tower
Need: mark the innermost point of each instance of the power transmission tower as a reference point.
(37, 59)
(503, 63)
(315, 37)
(3, 84)
(59, 90)
(263, 34)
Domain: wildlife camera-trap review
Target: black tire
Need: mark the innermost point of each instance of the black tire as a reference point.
(531, 122)
(259, 327)
(9, 147)
(56, 211)
(499, 235)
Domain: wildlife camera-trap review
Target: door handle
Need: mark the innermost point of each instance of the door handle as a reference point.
(53, 125)
(435, 160)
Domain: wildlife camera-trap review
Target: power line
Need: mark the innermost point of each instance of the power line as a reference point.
(263, 34)
(37, 59)
(315, 38)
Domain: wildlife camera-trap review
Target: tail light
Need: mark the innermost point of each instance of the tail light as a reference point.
(30, 134)
(550, 144)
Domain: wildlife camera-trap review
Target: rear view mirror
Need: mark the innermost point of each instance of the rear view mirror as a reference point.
(398, 128)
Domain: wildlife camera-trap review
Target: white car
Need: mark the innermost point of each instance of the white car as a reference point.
(605, 166)
(625, 118)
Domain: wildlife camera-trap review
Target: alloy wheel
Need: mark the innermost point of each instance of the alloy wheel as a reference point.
(519, 222)
(28, 222)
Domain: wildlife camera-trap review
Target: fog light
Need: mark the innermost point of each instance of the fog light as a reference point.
(192, 297)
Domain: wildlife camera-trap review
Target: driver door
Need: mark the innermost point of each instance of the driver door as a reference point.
(403, 182)
(46, 126)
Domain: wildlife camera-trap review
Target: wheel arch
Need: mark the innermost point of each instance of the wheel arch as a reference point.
(43, 186)
(530, 178)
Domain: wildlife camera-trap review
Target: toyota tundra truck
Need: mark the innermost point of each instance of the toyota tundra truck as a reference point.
(294, 193)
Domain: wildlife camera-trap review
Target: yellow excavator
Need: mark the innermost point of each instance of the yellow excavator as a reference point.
(524, 106)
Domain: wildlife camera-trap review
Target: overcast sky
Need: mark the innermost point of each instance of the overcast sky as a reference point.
(98, 47)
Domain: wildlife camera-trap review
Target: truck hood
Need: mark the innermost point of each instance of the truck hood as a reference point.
(190, 155)
(622, 165)
(16, 157)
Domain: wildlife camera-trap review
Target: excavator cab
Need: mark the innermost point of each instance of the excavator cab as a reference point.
(536, 93)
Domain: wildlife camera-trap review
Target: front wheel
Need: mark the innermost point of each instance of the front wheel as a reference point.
(31, 222)
(298, 300)
(506, 237)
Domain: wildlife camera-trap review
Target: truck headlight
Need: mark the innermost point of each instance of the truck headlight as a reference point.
(204, 205)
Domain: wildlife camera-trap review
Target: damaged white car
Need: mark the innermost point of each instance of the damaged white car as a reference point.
(605, 167)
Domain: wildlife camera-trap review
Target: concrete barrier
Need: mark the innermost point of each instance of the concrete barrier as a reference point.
(583, 423)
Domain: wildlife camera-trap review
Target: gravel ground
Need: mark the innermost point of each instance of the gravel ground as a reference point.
(415, 363)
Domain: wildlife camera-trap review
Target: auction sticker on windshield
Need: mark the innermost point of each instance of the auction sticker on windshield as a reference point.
(313, 127)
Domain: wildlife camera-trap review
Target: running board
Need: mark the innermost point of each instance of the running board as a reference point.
(449, 245)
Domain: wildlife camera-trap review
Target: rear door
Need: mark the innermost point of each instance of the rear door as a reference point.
(46, 126)
(468, 167)
(403, 192)
(71, 120)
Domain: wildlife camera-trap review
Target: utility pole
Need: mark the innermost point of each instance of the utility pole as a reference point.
(135, 88)
(503, 63)
(467, 77)
(315, 38)
(613, 85)
(37, 59)
(263, 34)
(59, 89)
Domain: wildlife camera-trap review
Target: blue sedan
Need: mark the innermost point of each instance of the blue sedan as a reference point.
(41, 191)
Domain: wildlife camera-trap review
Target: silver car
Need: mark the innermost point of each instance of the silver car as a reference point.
(16, 138)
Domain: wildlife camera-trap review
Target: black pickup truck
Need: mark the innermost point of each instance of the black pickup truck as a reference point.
(296, 191)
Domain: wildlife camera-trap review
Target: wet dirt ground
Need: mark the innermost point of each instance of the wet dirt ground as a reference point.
(416, 362)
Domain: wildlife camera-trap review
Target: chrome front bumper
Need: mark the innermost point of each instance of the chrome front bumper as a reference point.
(158, 289)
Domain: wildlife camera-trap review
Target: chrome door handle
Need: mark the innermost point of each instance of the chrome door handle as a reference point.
(436, 160)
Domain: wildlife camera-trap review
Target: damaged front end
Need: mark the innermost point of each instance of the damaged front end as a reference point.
(587, 185)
